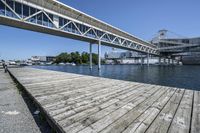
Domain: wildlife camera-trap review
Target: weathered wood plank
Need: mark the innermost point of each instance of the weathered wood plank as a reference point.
(142, 122)
(122, 123)
(87, 102)
(38, 92)
(61, 104)
(62, 84)
(195, 126)
(165, 117)
(120, 114)
(94, 97)
(80, 93)
(181, 121)
(84, 119)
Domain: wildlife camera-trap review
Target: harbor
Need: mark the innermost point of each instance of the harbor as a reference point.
(80, 103)
(99, 66)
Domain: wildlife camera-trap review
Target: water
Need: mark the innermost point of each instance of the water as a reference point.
(174, 76)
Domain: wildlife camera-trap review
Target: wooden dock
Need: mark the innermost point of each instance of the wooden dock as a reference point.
(85, 104)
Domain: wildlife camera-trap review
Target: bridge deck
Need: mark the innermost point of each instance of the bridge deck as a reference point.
(86, 104)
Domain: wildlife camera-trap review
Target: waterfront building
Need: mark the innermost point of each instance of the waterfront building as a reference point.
(42, 59)
(187, 49)
(128, 57)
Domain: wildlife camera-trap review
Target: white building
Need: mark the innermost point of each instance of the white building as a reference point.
(39, 59)
(129, 57)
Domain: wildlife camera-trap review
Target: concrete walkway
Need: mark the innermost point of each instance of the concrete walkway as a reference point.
(14, 113)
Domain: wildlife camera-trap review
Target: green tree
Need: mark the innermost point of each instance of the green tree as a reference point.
(60, 57)
(85, 57)
(75, 57)
(95, 58)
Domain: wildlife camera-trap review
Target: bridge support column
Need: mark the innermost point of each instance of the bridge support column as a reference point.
(142, 61)
(159, 58)
(148, 59)
(99, 55)
(168, 61)
(172, 61)
(165, 61)
(178, 62)
(90, 55)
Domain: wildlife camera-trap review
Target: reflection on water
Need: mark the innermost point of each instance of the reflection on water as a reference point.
(175, 76)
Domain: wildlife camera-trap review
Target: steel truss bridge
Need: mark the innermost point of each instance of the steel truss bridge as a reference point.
(55, 18)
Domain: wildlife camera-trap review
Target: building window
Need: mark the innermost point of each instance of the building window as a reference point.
(25, 11)
(9, 13)
(50, 23)
(2, 8)
(39, 18)
(185, 41)
(10, 3)
(31, 12)
(61, 22)
(45, 20)
(18, 8)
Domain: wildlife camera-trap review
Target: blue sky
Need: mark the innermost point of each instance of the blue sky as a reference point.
(142, 18)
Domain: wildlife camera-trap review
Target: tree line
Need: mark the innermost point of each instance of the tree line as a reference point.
(77, 58)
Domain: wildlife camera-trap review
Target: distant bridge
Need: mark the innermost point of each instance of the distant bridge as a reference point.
(55, 18)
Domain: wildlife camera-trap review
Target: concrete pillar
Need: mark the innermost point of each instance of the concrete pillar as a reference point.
(99, 55)
(168, 61)
(90, 55)
(172, 61)
(159, 58)
(148, 59)
(142, 61)
(178, 62)
(164, 60)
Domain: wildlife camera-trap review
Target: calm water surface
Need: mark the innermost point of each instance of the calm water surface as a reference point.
(175, 76)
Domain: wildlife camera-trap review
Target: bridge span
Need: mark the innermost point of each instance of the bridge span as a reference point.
(55, 18)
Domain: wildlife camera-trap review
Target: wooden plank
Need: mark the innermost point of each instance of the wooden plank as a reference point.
(61, 104)
(52, 81)
(122, 123)
(80, 93)
(39, 91)
(84, 119)
(182, 118)
(87, 102)
(46, 79)
(142, 122)
(93, 97)
(164, 119)
(94, 102)
(65, 83)
(195, 126)
(111, 121)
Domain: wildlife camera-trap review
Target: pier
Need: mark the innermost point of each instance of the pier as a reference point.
(86, 104)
